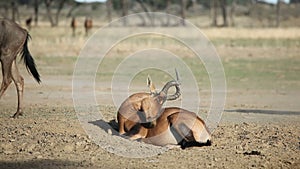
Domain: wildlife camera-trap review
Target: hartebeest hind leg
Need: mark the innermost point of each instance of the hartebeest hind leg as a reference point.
(19, 82)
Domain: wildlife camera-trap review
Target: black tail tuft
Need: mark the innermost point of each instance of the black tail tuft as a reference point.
(29, 61)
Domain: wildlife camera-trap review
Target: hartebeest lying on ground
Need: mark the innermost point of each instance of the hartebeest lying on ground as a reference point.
(176, 126)
(141, 109)
(141, 117)
(13, 41)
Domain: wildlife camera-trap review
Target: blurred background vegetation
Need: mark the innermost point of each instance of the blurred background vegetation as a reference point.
(203, 13)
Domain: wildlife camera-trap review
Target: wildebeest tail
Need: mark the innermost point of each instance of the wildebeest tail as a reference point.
(29, 61)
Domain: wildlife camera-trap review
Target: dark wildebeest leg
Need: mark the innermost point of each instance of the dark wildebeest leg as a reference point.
(19, 82)
(6, 74)
(10, 72)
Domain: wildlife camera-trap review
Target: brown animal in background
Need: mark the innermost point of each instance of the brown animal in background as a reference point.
(28, 22)
(88, 24)
(73, 25)
(177, 126)
(13, 41)
(142, 109)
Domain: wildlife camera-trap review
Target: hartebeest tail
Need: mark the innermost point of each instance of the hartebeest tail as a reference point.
(29, 61)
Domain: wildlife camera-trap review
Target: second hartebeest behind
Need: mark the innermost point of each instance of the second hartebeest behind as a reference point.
(73, 25)
(88, 24)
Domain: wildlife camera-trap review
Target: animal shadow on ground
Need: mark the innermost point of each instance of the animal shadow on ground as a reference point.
(111, 127)
(275, 112)
(39, 163)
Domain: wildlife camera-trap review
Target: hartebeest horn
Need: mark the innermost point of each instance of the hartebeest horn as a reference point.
(170, 84)
(177, 76)
(151, 85)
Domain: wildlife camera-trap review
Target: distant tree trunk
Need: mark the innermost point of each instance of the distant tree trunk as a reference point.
(278, 13)
(182, 11)
(124, 6)
(251, 6)
(13, 8)
(146, 11)
(224, 12)
(214, 12)
(49, 14)
(60, 7)
(36, 11)
(168, 2)
(108, 8)
(76, 5)
(48, 5)
(232, 12)
(5, 15)
(194, 2)
(15, 11)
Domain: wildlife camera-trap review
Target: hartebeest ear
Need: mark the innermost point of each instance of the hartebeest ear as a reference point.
(150, 85)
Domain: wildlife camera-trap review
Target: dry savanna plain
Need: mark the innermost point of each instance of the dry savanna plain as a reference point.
(259, 127)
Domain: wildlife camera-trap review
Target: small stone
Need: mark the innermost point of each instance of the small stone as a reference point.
(109, 131)
(39, 156)
(68, 148)
(30, 147)
(7, 152)
(7, 147)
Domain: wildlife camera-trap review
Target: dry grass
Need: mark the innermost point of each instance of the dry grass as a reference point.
(58, 41)
(253, 33)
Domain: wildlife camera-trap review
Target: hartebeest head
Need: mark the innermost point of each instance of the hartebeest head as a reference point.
(151, 106)
(144, 108)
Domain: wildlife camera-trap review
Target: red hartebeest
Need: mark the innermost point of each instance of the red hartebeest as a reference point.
(88, 24)
(13, 41)
(73, 25)
(142, 109)
(28, 22)
(169, 126)
(177, 126)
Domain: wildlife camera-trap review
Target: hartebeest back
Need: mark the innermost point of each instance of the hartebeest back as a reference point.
(13, 41)
(177, 126)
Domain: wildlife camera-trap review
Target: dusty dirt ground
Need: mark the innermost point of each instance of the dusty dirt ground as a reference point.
(50, 136)
(57, 141)
(259, 128)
